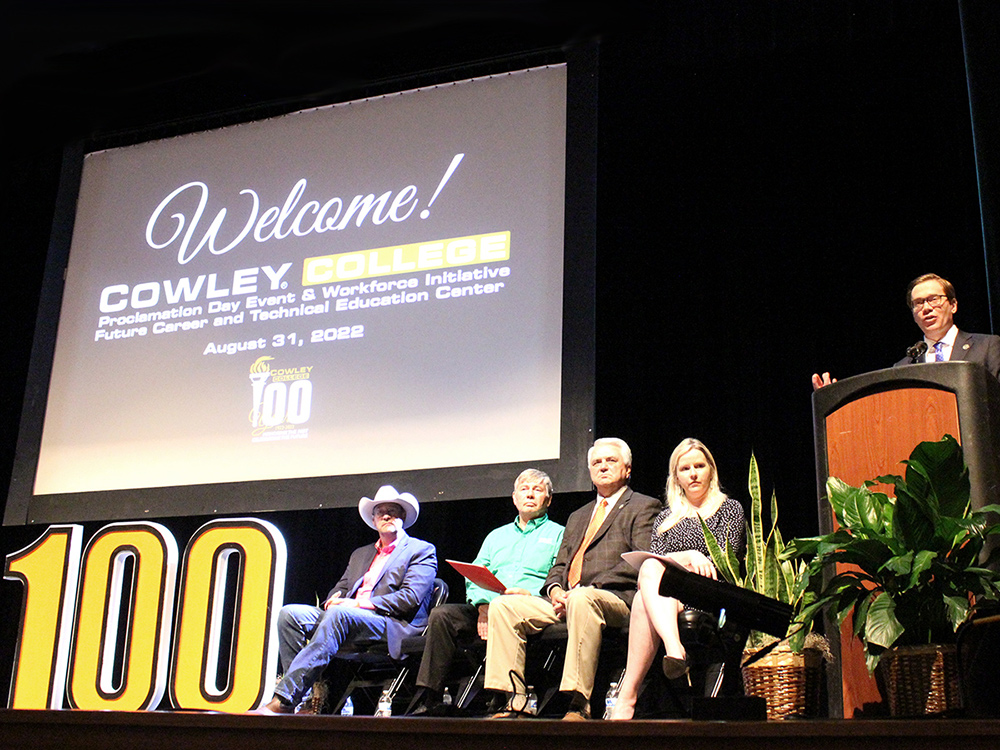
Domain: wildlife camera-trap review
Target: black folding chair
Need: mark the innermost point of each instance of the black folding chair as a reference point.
(374, 671)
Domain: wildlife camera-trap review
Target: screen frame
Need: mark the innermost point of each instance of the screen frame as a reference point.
(568, 472)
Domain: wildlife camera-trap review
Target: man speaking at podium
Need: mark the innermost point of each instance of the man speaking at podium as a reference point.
(933, 303)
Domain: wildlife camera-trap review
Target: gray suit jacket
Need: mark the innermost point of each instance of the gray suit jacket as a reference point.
(973, 347)
(628, 527)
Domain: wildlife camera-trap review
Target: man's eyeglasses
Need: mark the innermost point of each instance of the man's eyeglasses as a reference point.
(934, 300)
(392, 511)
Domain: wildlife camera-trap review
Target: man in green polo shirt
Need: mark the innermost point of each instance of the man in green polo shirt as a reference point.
(520, 554)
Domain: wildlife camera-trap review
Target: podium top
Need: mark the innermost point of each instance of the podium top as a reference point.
(962, 378)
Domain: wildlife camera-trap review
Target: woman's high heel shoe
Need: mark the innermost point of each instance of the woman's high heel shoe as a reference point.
(674, 668)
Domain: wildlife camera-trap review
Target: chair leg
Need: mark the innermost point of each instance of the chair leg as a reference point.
(396, 683)
(720, 677)
(392, 684)
(467, 693)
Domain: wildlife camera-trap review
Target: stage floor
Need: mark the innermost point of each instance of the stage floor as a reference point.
(90, 730)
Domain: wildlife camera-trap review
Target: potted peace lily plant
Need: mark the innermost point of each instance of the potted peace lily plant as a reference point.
(788, 677)
(914, 572)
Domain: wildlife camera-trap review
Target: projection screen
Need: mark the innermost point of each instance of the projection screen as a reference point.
(372, 290)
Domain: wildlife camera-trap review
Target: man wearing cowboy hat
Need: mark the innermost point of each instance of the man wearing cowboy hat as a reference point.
(384, 595)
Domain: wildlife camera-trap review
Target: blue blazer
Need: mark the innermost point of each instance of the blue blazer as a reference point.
(402, 592)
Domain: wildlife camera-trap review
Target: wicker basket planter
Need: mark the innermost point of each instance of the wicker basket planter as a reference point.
(920, 680)
(788, 682)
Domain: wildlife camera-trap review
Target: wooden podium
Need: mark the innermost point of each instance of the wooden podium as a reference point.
(863, 427)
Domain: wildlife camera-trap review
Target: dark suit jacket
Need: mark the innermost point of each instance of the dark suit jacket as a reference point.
(628, 527)
(973, 347)
(403, 590)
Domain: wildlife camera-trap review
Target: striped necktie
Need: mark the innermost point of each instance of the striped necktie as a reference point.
(939, 351)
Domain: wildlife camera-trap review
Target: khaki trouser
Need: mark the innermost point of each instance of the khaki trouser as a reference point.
(514, 617)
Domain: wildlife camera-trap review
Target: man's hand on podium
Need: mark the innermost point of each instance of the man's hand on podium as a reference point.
(819, 381)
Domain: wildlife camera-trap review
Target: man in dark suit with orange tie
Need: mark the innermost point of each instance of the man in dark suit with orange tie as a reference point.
(589, 586)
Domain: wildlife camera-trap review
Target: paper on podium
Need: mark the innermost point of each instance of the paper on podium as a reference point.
(479, 575)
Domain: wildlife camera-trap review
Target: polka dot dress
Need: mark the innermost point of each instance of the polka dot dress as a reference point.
(726, 523)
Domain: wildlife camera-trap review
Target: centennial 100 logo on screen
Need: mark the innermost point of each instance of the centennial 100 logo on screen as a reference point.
(282, 401)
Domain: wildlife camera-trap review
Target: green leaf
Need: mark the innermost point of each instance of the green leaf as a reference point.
(941, 465)
(788, 572)
(854, 507)
(869, 554)
(900, 565)
(889, 479)
(816, 545)
(719, 559)
(922, 562)
(771, 572)
(733, 564)
(958, 609)
(850, 595)
(812, 610)
(955, 532)
(871, 659)
(915, 519)
(755, 542)
(881, 626)
(797, 641)
(861, 614)
(801, 547)
(774, 521)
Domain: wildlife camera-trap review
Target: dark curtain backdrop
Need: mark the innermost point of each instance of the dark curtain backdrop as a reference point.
(980, 31)
(770, 176)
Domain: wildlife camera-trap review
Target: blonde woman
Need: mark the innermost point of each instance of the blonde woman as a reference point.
(692, 490)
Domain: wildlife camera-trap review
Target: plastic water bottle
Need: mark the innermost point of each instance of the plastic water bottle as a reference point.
(531, 706)
(384, 704)
(348, 709)
(610, 700)
(446, 698)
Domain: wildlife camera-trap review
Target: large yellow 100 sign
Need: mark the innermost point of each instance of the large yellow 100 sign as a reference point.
(105, 640)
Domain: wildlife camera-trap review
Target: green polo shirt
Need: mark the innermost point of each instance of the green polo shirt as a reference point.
(520, 558)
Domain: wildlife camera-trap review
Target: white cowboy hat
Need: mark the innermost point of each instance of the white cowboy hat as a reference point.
(387, 494)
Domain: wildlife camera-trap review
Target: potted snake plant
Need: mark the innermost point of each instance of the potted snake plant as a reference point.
(788, 677)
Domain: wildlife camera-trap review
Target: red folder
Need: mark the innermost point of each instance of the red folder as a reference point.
(479, 575)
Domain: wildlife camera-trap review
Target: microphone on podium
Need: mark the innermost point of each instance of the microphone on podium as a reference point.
(916, 352)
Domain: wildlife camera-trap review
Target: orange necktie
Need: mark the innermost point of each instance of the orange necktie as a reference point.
(576, 565)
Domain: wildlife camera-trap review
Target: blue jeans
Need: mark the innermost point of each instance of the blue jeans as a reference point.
(309, 637)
